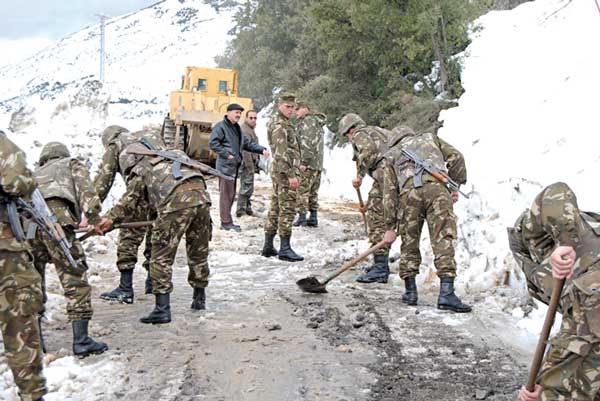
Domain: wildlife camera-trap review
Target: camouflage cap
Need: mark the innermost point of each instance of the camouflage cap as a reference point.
(398, 133)
(302, 104)
(348, 121)
(287, 98)
(111, 133)
(53, 150)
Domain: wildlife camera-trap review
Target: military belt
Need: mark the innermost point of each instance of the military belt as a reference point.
(189, 186)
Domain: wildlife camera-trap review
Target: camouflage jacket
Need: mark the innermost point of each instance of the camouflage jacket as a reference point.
(65, 184)
(284, 146)
(369, 143)
(16, 180)
(455, 164)
(109, 167)
(555, 219)
(250, 159)
(155, 182)
(309, 132)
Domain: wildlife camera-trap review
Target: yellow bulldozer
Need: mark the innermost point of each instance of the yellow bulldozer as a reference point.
(199, 104)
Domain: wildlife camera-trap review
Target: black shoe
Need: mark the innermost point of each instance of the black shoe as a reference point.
(148, 289)
(410, 296)
(124, 292)
(249, 212)
(162, 311)
(40, 399)
(447, 300)
(83, 344)
(240, 213)
(199, 299)
(300, 221)
(231, 226)
(286, 252)
(268, 248)
(378, 273)
(42, 344)
(312, 221)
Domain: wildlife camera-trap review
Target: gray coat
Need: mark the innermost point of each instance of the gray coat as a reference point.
(227, 139)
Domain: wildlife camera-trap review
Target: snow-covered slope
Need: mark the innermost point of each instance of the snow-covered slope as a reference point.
(147, 52)
(527, 119)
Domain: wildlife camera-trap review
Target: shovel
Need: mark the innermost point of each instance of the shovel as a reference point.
(311, 284)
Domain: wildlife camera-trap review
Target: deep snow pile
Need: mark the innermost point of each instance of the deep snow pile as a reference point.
(525, 121)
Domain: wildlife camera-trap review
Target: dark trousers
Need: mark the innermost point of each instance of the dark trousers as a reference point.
(226, 197)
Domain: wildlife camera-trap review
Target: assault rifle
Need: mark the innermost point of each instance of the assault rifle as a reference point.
(43, 217)
(145, 148)
(421, 165)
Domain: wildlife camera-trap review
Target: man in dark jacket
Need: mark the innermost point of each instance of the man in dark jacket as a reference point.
(228, 142)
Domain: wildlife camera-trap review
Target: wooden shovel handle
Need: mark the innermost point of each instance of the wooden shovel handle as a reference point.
(548, 322)
(354, 261)
(362, 205)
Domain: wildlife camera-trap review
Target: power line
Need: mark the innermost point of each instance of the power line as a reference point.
(103, 19)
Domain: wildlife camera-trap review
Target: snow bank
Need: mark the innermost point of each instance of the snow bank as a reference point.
(69, 379)
(525, 121)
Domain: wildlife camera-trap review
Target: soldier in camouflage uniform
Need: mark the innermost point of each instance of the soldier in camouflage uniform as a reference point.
(285, 175)
(115, 139)
(183, 206)
(247, 168)
(556, 239)
(65, 185)
(309, 131)
(369, 144)
(407, 204)
(20, 284)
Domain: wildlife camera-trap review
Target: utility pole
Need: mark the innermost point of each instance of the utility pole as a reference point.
(103, 19)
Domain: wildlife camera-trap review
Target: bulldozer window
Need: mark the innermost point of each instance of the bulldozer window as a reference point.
(223, 86)
(202, 84)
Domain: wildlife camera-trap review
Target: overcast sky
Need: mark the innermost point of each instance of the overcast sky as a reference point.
(55, 19)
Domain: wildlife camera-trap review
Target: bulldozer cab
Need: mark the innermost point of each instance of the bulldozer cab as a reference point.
(200, 103)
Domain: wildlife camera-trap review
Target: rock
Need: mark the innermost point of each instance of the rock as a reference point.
(482, 394)
(312, 325)
(272, 326)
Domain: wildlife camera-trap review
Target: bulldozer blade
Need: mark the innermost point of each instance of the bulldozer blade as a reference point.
(312, 285)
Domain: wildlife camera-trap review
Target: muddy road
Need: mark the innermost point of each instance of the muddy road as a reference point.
(262, 339)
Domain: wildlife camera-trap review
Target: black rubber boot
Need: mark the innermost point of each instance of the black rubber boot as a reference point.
(448, 300)
(124, 292)
(410, 296)
(312, 221)
(42, 344)
(378, 273)
(300, 220)
(268, 248)
(286, 252)
(148, 285)
(162, 311)
(83, 344)
(199, 299)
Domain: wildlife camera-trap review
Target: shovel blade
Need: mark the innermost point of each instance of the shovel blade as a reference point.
(312, 285)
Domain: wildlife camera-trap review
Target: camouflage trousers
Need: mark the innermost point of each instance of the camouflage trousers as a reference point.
(77, 290)
(20, 304)
(375, 217)
(168, 230)
(571, 368)
(431, 203)
(246, 190)
(130, 240)
(282, 208)
(308, 193)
